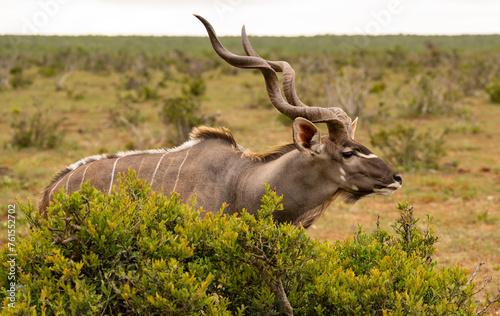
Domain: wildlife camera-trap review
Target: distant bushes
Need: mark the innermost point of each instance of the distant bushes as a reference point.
(478, 66)
(348, 89)
(18, 79)
(137, 252)
(426, 82)
(181, 114)
(494, 91)
(40, 129)
(12, 76)
(408, 148)
(431, 94)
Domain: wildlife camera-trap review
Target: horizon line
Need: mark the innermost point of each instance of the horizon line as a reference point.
(285, 36)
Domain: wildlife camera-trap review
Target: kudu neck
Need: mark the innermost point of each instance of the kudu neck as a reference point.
(297, 176)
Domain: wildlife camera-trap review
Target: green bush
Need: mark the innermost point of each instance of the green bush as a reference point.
(409, 149)
(18, 79)
(137, 252)
(47, 71)
(431, 93)
(494, 91)
(258, 97)
(38, 130)
(181, 114)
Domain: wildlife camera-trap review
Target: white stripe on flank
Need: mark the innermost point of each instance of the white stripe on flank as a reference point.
(53, 188)
(67, 181)
(89, 159)
(180, 168)
(154, 173)
(84, 172)
(113, 175)
(140, 167)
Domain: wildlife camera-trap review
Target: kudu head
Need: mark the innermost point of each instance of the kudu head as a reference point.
(342, 161)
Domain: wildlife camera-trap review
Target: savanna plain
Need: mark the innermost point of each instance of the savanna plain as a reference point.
(430, 106)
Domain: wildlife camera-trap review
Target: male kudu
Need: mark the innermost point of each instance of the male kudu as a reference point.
(310, 172)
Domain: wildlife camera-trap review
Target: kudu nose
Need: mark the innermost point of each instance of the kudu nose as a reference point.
(398, 178)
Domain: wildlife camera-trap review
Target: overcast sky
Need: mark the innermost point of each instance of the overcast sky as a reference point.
(262, 17)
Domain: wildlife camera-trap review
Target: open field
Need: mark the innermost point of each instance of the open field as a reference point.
(421, 83)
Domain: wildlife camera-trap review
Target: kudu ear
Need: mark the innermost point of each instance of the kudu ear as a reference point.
(306, 136)
(353, 128)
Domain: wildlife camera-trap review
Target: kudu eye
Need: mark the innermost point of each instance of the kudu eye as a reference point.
(347, 154)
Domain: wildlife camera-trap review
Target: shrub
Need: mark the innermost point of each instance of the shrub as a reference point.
(128, 111)
(432, 93)
(47, 71)
(18, 79)
(406, 148)
(137, 252)
(397, 56)
(258, 98)
(494, 91)
(194, 86)
(6, 64)
(144, 86)
(349, 90)
(38, 130)
(476, 71)
(183, 113)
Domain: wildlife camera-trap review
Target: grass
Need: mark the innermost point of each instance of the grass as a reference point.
(462, 196)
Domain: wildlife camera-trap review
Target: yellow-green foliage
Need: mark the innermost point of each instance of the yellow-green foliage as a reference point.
(137, 252)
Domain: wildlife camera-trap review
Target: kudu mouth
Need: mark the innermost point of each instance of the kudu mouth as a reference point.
(354, 193)
(388, 189)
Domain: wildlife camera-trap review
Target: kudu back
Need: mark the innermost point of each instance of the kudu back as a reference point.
(310, 173)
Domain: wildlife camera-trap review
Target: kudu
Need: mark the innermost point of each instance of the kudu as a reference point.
(310, 172)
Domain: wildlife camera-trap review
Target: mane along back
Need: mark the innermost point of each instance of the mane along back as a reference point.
(203, 133)
(273, 154)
